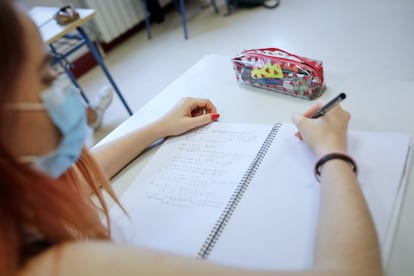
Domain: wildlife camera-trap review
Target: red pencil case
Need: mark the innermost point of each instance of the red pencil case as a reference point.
(277, 70)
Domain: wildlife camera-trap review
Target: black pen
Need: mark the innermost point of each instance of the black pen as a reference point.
(331, 104)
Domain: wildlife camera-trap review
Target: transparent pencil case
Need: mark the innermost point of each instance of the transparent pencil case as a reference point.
(277, 70)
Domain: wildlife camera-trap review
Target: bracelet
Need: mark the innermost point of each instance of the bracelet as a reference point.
(332, 156)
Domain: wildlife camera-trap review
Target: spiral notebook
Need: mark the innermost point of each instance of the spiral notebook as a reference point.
(245, 194)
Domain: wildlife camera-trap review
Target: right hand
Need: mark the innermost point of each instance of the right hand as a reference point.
(326, 134)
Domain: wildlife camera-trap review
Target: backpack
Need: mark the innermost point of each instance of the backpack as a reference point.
(270, 4)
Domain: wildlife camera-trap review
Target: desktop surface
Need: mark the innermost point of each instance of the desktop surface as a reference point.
(374, 104)
(49, 29)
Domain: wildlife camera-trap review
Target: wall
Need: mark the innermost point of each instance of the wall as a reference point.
(50, 3)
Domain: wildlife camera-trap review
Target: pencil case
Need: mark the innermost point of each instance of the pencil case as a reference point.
(280, 71)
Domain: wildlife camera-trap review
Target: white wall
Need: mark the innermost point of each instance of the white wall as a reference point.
(51, 3)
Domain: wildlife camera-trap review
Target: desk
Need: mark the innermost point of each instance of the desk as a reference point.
(375, 105)
(51, 32)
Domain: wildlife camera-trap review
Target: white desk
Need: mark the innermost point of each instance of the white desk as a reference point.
(49, 29)
(375, 105)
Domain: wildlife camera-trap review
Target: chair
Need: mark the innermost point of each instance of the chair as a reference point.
(180, 4)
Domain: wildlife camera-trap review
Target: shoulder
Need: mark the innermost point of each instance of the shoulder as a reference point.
(69, 258)
(97, 258)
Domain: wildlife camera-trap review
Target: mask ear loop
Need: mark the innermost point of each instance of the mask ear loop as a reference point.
(25, 106)
(29, 159)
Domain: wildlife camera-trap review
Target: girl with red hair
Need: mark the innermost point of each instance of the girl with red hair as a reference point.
(50, 226)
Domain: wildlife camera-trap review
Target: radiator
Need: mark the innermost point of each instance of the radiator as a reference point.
(114, 17)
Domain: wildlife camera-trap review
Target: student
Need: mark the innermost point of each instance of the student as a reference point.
(50, 225)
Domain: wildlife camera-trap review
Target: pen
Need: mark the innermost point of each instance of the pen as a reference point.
(331, 104)
(322, 111)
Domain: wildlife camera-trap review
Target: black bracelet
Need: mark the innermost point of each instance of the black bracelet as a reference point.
(331, 156)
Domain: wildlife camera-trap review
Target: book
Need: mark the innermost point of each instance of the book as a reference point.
(245, 195)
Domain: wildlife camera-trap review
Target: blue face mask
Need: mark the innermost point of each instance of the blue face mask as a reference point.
(67, 112)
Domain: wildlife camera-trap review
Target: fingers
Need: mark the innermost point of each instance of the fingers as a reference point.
(197, 112)
(202, 112)
(209, 106)
(215, 116)
(189, 113)
(314, 108)
(202, 120)
(296, 118)
(200, 106)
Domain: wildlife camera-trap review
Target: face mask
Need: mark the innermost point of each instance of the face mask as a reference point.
(67, 112)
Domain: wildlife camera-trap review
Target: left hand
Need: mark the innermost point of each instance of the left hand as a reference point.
(187, 114)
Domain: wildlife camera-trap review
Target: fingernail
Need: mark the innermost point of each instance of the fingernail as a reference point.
(215, 116)
(297, 134)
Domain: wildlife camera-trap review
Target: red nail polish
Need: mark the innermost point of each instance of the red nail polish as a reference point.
(215, 116)
(297, 134)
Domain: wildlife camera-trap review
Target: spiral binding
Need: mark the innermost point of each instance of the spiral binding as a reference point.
(237, 195)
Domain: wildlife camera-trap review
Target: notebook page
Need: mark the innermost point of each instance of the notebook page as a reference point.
(275, 222)
(177, 198)
(381, 158)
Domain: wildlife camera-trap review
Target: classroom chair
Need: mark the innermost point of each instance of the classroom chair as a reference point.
(180, 5)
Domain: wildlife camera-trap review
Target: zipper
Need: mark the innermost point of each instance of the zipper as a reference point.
(317, 69)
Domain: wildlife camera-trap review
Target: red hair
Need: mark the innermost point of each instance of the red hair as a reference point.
(37, 211)
(56, 210)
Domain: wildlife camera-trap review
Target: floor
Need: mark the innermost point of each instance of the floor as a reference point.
(362, 38)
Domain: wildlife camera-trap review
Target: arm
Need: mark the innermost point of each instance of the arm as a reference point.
(108, 259)
(346, 238)
(189, 113)
(346, 243)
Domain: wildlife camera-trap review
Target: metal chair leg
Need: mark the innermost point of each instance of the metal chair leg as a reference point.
(231, 5)
(66, 65)
(181, 7)
(147, 20)
(213, 3)
(101, 63)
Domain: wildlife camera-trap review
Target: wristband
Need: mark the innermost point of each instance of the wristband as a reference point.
(332, 156)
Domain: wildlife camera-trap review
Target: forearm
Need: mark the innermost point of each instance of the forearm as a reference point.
(115, 155)
(346, 239)
(105, 259)
(185, 115)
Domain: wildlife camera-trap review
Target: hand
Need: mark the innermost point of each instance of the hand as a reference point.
(326, 134)
(187, 114)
